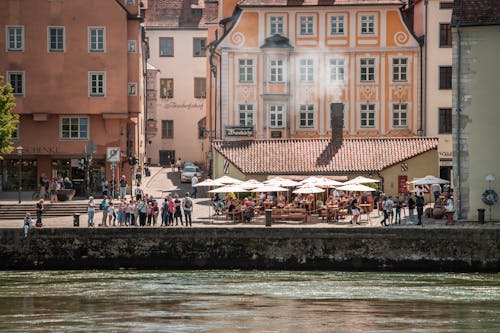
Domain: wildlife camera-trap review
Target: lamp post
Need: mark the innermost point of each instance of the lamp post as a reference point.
(19, 172)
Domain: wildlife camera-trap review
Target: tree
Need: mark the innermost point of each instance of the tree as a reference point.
(8, 121)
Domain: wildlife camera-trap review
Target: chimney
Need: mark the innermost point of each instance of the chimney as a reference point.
(337, 125)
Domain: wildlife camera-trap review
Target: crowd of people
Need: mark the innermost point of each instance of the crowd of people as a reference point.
(50, 186)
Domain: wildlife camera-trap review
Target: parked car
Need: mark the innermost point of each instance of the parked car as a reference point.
(188, 172)
(186, 164)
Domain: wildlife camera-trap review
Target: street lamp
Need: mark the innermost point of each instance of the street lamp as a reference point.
(19, 172)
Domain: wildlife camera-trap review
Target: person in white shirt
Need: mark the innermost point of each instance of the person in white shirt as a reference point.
(194, 181)
(436, 190)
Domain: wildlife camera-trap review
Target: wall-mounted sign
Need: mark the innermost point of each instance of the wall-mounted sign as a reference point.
(239, 131)
(113, 154)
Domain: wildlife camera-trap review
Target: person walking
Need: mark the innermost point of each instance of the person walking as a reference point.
(123, 187)
(419, 203)
(355, 211)
(178, 165)
(138, 176)
(39, 212)
(194, 181)
(91, 211)
(187, 206)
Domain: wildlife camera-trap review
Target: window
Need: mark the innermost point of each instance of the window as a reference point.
(245, 70)
(399, 69)
(246, 114)
(400, 115)
(130, 2)
(444, 35)
(306, 116)
(56, 39)
(166, 88)
(197, 11)
(132, 89)
(336, 25)
(367, 115)
(97, 84)
(167, 129)
(306, 70)
(15, 38)
(97, 39)
(166, 47)
(337, 70)
(276, 25)
(445, 77)
(74, 128)
(200, 90)
(307, 25)
(131, 46)
(276, 71)
(445, 122)
(276, 116)
(15, 133)
(199, 47)
(16, 80)
(367, 70)
(367, 24)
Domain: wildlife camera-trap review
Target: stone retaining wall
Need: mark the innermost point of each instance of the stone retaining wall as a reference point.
(418, 249)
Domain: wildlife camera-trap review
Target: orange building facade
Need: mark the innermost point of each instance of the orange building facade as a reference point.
(76, 69)
(279, 67)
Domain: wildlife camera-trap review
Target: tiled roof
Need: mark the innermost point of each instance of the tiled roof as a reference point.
(301, 156)
(295, 3)
(179, 13)
(476, 12)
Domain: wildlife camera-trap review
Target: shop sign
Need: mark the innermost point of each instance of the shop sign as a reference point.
(113, 154)
(41, 150)
(239, 131)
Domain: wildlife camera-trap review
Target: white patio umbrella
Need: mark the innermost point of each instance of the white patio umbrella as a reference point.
(269, 188)
(355, 188)
(208, 183)
(226, 180)
(278, 181)
(229, 189)
(361, 180)
(308, 190)
(250, 184)
(310, 180)
(429, 180)
(322, 181)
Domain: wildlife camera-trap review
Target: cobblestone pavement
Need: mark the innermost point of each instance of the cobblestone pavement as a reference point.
(164, 181)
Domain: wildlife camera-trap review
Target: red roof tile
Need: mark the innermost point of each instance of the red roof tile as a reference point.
(476, 12)
(305, 156)
(179, 13)
(296, 3)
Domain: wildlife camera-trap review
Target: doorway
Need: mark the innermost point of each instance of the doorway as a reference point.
(167, 157)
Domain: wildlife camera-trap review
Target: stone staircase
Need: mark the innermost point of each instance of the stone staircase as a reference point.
(12, 211)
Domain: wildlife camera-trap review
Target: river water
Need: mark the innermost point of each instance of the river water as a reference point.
(247, 301)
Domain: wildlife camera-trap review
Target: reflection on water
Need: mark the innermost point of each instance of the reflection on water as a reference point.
(247, 301)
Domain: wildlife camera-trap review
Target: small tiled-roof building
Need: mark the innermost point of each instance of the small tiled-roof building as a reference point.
(476, 111)
(389, 159)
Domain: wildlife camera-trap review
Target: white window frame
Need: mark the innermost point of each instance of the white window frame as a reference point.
(306, 25)
(78, 123)
(97, 42)
(337, 69)
(132, 88)
(49, 49)
(23, 83)
(275, 25)
(276, 110)
(399, 70)
(245, 70)
(367, 69)
(97, 94)
(306, 70)
(308, 110)
(13, 29)
(336, 24)
(132, 46)
(130, 2)
(368, 24)
(278, 66)
(368, 109)
(398, 109)
(247, 111)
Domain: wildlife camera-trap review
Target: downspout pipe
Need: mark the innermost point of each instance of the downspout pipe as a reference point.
(423, 79)
(458, 128)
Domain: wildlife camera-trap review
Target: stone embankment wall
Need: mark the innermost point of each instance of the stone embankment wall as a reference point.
(445, 249)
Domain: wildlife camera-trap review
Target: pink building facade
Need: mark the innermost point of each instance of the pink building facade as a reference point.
(76, 69)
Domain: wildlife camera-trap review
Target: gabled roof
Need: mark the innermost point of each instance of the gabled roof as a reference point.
(476, 12)
(297, 3)
(304, 156)
(179, 13)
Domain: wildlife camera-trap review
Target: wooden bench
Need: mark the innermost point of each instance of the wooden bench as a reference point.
(289, 214)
